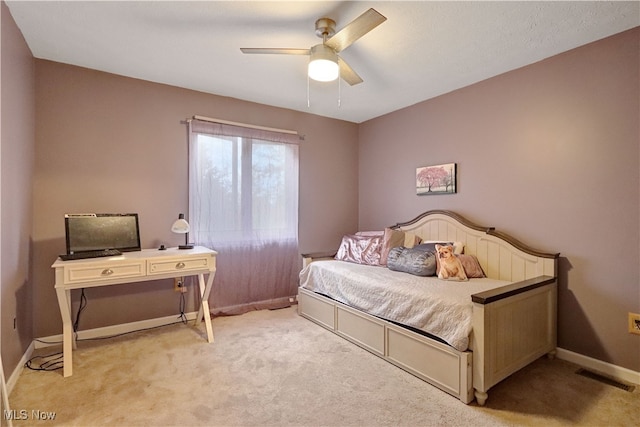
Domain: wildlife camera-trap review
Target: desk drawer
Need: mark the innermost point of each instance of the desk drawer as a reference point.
(178, 264)
(101, 273)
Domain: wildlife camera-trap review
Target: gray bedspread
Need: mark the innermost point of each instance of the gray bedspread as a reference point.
(439, 307)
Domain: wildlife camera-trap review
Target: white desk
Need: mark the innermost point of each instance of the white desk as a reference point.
(130, 267)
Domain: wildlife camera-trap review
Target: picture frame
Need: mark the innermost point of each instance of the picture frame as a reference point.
(436, 179)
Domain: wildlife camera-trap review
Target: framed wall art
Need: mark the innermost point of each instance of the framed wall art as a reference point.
(438, 179)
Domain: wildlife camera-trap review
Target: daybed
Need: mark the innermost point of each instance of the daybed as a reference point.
(511, 319)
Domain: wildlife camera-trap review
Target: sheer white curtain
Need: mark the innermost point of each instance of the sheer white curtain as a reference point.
(243, 202)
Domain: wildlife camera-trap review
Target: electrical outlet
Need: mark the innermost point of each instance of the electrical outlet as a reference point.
(178, 285)
(634, 323)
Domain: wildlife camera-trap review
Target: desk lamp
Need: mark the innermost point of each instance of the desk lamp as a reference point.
(181, 226)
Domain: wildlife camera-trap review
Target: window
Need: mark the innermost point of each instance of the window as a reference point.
(243, 202)
(246, 188)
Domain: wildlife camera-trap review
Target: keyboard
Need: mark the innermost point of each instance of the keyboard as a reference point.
(90, 254)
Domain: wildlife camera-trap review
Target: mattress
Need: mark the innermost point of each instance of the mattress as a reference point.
(442, 308)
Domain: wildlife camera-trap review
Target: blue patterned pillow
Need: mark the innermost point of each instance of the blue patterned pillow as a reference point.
(416, 261)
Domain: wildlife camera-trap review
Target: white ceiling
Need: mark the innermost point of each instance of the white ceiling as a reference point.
(423, 50)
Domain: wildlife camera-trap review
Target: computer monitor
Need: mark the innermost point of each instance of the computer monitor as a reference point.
(95, 232)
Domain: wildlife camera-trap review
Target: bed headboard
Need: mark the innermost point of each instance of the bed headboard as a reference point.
(500, 255)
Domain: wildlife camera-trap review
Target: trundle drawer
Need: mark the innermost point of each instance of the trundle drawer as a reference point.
(178, 264)
(427, 359)
(98, 273)
(316, 309)
(365, 331)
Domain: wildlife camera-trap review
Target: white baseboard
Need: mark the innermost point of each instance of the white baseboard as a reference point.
(108, 331)
(618, 372)
(13, 379)
(614, 371)
(103, 332)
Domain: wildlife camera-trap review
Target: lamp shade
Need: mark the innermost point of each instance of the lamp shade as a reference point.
(181, 226)
(323, 65)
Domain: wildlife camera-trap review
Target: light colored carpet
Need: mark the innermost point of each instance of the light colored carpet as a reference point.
(274, 368)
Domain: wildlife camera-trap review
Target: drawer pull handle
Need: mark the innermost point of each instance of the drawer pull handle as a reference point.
(180, 265)
(107, 272)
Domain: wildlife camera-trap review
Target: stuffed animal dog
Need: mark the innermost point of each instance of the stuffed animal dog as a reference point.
(450, 265)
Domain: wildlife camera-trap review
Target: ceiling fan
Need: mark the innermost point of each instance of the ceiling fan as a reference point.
(324, 62)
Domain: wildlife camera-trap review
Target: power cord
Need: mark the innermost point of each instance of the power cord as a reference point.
(76, 323)
(182, 305)
(56, 362)
(51, 362)
(83, 305)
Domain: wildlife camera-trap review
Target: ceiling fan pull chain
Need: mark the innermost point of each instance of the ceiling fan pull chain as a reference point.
(339, 92)
(308, 99)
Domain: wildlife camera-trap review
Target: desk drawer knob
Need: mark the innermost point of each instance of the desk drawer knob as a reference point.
(107, 272)
(180, 265)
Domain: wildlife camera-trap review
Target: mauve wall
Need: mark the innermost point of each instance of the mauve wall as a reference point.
(17, 147)
(106, 143)
(548, 153)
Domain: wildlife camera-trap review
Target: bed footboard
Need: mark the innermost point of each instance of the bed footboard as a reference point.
(316, 256)
(511, 329)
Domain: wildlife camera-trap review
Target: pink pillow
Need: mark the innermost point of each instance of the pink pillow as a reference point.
(360, 249)
(395, 238)
(471, 266)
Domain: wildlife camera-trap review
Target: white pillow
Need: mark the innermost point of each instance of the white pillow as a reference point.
(458, 247)
(370, 233)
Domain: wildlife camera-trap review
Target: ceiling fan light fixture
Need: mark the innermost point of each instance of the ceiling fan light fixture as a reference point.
(323, 64)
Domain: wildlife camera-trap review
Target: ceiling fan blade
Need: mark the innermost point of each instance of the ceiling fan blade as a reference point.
(355, 29)
(347, 74)
(277, 51)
